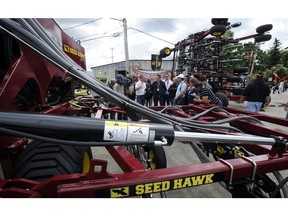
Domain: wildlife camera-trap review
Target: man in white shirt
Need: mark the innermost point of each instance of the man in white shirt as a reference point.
(140, 90)
(180, 98)
(168, 83)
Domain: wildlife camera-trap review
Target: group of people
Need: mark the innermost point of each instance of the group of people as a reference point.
(279, 86)
(184, 90)
(181, 90)
(159, 92)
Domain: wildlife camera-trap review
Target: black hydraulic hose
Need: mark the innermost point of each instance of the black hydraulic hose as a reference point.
(25, 25)
(169, 108)
(280, 178)
(252, 119)
(209, 110)
(203, 113)
(39, 46)
(279, 186)
(43, 34)
(15, 133)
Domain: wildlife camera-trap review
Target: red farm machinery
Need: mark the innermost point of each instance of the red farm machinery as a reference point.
(213, 54)
(46, 133)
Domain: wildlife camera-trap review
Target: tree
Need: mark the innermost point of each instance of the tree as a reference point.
(228, 34)
(262, 61)
(274, 54)
(284, 58)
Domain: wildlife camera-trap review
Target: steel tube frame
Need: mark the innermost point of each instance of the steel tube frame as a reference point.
(219, 138)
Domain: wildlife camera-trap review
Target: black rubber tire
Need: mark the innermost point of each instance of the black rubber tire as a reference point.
(264, 28)
(233, 79)
(263, 38)
(166, 51)
(223, 98)
(159, 159)
(42, 160)
(240, 70)
(219, 21)
(217, 30)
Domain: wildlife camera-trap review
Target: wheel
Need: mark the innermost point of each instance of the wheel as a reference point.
(217, 30)
(42, 160)
(153, 157)
(264, 28)
(219, 21)
(240, 70)
(263, 38)
(166, 51)
(156, 160)
(223, 98)
(156, 157)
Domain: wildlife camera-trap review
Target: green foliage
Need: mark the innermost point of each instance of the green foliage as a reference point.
(273, 60)
(284, 58)
(279, 69)
(274, 57)
(228, 34)
(243, 52)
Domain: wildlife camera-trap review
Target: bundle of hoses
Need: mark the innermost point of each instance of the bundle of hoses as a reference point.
(31, 33)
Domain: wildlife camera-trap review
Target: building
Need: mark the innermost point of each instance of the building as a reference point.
(110, 71)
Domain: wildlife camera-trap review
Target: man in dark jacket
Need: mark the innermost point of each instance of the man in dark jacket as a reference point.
(158, 89)
(255, 93)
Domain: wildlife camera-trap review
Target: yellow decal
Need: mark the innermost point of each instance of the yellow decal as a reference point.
(238, 153)
(220, 149)
(173, 184)
(116, 124)
(115, 131)
(152, 187)
(119, 192)
(68, 49)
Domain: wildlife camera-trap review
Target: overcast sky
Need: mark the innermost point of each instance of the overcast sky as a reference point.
(152, 34)
(181, 18)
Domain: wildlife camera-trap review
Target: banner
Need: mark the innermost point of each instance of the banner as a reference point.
(151, 74)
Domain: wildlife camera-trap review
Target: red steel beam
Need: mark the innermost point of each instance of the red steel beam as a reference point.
(152, 181)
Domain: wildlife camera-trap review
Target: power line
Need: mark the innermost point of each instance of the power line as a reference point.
(82, 24)
(88, 36)
(151, 35)
(169, 25)
(116, 34)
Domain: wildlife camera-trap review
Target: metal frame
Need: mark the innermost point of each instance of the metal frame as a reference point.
(137, 180)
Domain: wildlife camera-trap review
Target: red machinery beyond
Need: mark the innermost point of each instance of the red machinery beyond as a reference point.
(46, 133)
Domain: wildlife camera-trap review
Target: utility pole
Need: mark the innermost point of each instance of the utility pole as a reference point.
(127, 66)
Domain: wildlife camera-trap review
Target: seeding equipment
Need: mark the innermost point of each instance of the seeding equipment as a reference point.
(208, 53)
(46, 132)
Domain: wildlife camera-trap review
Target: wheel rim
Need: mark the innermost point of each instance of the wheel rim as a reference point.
(86, 163)
(167, 51)
(217, 33)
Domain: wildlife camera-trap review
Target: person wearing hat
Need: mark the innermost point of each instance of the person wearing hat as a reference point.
(256, 93)
(180, 98)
